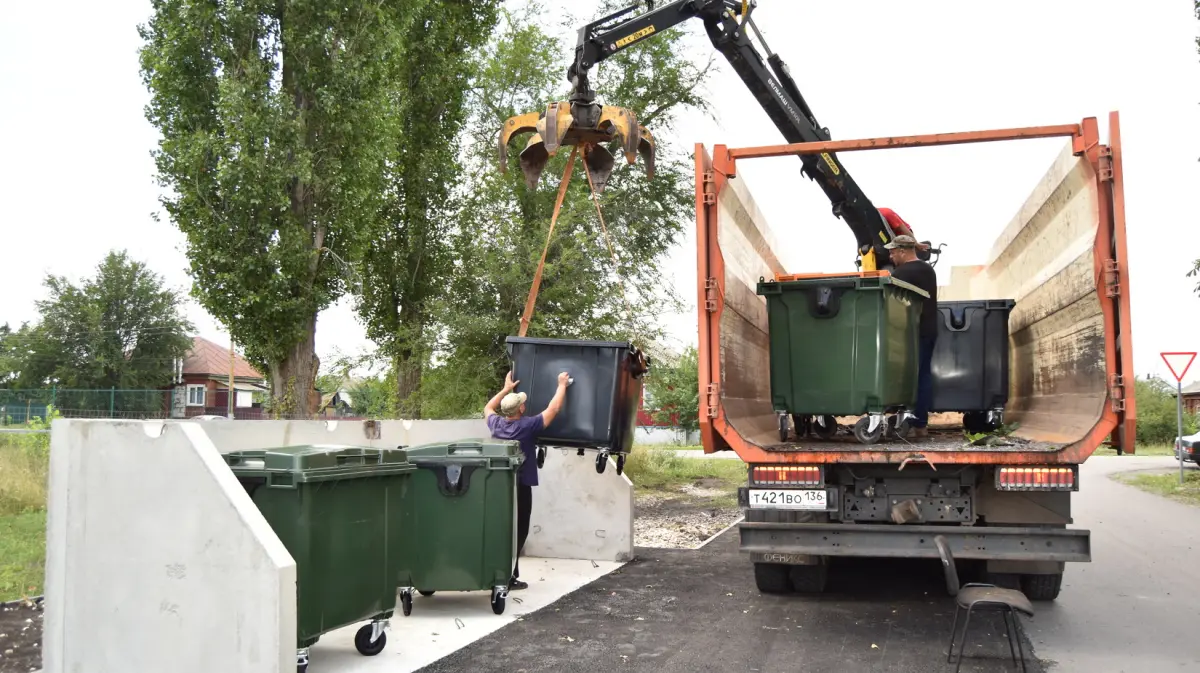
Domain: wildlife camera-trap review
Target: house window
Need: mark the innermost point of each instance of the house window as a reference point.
(195, 395)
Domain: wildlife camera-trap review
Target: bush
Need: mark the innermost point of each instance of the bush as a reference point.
(24, 467)
(1156, 413)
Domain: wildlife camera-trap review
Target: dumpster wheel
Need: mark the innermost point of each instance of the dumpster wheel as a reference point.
(620, 463)
(406, 602)
(498, 600)
(826, 431)
(601, 462)
(863, 432)
(362, 641)
(541, 456)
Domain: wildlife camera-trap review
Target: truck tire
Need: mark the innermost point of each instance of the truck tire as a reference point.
(772, 578)
(1041, 587)
(809, 579)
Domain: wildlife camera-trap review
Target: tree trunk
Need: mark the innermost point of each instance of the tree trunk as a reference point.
(293, 378)
(409, 364)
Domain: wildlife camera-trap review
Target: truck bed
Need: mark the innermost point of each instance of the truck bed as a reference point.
(1061, 258)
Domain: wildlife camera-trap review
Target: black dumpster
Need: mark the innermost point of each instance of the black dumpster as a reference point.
(970, 361)
(602, 402)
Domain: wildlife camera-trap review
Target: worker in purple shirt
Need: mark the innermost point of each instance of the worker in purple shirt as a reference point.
(505, 416)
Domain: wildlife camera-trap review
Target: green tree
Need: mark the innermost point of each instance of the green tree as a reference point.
(673, 391)
(1157, 421)
(278, 119)
(122, 328)
(408, 258)
(502, 225)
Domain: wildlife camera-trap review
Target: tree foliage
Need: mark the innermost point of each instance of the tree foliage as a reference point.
(408, 256)
(673, 392)
(1157, 421)
(277, 120)
(502, 225)
(122, 328)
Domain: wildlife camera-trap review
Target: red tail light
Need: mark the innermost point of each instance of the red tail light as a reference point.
(1036, 478)
(786, 475)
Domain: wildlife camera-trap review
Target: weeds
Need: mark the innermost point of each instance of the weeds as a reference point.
(1167, 484)
(661, 470)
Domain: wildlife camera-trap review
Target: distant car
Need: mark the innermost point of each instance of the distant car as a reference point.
(209, 417)
(1190, 447)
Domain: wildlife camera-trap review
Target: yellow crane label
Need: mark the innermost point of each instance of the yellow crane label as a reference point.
(830, 162)
(634, 37)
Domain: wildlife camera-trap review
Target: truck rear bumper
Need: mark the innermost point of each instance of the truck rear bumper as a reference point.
(781, 540)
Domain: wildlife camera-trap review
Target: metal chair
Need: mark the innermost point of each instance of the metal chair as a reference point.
(978, 598)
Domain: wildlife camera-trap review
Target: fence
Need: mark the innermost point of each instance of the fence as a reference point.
(20, 406)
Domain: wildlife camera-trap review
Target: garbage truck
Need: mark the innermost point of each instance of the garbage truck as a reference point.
(1060, 268)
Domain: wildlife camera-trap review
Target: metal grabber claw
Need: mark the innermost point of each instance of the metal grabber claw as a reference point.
(588, 124)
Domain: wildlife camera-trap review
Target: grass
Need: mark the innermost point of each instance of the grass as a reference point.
(1167, 484)
(1142, 450)
(655, 470)
(24, 465)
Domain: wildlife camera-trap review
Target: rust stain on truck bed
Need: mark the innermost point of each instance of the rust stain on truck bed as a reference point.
(1068, 332)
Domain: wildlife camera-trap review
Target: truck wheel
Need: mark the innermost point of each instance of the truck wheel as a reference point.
(863, 434)
(828, 430)
(809, 579)
(772, 578)
(1041, 587)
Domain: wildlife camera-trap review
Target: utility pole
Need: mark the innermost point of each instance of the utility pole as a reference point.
(229, 400)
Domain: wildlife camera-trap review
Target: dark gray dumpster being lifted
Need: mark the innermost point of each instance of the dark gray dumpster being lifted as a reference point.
(602, 402)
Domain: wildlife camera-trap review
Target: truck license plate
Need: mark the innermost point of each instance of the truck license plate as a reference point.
(787, 499)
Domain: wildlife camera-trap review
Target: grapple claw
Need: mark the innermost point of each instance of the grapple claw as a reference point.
(599, 162)
(646, 149)
(589, 125)
(533, 160)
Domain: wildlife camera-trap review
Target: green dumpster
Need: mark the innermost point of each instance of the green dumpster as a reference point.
(464, 517)
(337, 510)
(842, 345)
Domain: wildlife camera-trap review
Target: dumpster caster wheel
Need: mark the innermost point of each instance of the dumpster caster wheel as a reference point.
(826, 431)
(621, 463)
(601, 462)
(783, 428)
(362, 641)
(541, 457)
(802, 425)
(406, 602)
(863, 432)
(424, 593)
(302, 661)
(899, 427)
(497, 601)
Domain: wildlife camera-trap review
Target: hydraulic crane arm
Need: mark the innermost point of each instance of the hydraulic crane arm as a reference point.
(726, 22)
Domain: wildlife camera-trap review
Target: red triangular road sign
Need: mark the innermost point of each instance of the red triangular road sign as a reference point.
(1178, 363)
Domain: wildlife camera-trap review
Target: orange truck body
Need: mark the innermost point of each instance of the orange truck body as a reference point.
(1062, 258)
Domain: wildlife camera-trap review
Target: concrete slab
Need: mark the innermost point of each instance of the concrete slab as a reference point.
(444, 623)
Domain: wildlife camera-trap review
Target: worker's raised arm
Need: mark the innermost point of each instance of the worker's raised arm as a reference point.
(556, 403)
(489, 409)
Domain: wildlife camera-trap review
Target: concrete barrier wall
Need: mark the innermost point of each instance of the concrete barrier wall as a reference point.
(157, 560)
(577, 514)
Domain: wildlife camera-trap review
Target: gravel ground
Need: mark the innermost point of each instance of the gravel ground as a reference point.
(20, 638)
(683, 521)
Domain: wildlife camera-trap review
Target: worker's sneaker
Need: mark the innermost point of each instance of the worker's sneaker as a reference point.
(516, 585)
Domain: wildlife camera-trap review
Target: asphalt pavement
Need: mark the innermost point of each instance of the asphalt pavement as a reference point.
(1134, 608)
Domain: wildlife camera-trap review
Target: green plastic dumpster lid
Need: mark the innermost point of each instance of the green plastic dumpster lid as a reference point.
(319, 462)
(470, 450)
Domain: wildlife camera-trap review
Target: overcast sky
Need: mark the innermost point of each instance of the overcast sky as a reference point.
(76, 179)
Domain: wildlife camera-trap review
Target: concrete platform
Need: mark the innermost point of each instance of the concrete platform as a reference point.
(444, 623)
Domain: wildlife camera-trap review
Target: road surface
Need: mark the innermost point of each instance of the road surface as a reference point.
(674, 611)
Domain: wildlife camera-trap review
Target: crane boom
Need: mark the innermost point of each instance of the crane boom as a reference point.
(769, 81)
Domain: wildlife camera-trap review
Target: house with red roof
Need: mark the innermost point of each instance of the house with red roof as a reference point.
(203, 383)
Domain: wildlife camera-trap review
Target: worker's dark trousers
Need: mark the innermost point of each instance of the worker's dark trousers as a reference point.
(524, 508)
(924, 382)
